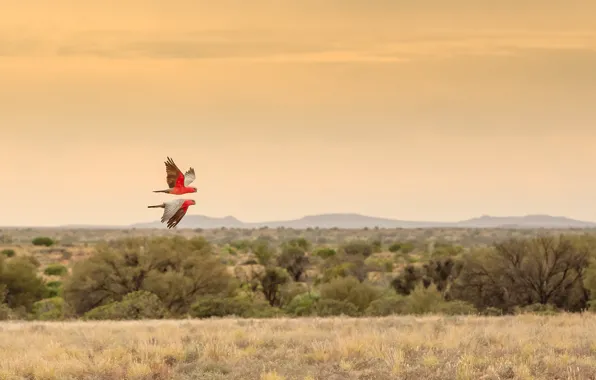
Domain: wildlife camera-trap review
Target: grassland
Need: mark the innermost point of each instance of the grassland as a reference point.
(430, 347)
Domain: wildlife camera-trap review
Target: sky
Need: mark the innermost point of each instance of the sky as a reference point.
(428, 110)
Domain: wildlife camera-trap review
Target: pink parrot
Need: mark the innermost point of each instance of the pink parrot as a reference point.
(174, 210)
(178, 182)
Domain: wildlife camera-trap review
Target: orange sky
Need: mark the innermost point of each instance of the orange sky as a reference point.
(436, 110)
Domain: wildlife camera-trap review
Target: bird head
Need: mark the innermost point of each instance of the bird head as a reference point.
(192, 202)
(194, 189)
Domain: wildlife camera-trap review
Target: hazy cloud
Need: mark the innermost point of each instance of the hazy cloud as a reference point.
(290, 45)
(279, 46)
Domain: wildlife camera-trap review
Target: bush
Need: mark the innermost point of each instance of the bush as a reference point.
(55, 270)
(358, 247)
(22, 286)
(457, 308)
(43, 240)
(395, 247)
(5, 312)
(49, 309)
(136, 305)
(380, 264)
(424, 300)
(350, 290)
(290, 290)
(54, 289)
(303, 305)
(213, 306)
(325, 252)
(492, 311)
(8, 252)
(238, 306)
(537, 308)
(387, 305)
(331, 307)
(263, 251)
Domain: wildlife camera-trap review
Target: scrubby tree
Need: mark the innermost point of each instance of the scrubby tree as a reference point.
(271, 282)
(177, 270)
(294, 260)
(300, 242)
(263, 250)
(22, 286)
(521, 272)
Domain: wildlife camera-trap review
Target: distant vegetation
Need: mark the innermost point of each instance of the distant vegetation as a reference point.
(282, 272)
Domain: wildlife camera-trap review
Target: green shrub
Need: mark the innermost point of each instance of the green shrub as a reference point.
(20, 282)
(54, 289)
(330, 307)
(407, 247)
(55, 270)
(303, 305)
(358, 247)
(325, 252)
(537, 308)
(214, 306)
(49, 309)
(43, 240)
(424, 300)
(136, 305)
(338, 271)
(456, 307)
(263, 251)
(238, 306)
(492, 311)
(380, 264)
(350, 290)
(387, 305)
(290, 290)
(8, 252)
(5, 311)
(395, 247)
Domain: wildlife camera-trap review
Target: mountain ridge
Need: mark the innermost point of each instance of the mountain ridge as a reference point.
(355, 220)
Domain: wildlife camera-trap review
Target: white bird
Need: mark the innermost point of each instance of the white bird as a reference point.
(174, 210)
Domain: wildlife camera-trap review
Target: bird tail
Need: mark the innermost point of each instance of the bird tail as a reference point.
(157, 206)
(161, 191)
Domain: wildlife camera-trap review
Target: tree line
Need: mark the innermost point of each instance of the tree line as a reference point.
(176, 277)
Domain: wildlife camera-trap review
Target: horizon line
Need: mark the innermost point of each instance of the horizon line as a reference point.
(339, 214)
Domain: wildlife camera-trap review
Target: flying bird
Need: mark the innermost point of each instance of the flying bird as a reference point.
(174, 210)
(177, 181)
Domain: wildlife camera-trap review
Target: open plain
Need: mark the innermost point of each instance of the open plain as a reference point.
(406, 347)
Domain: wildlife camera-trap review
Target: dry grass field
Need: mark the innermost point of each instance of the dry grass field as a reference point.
(432, 347)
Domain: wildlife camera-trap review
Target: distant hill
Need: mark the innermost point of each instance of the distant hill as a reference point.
(362, 221)
(528, 221)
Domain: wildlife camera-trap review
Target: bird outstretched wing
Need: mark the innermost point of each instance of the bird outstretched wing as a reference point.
(189, 176)
(177, 217)
(170, 209)
(174, 176)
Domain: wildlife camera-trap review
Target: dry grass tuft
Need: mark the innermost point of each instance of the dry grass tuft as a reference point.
(433, 347)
